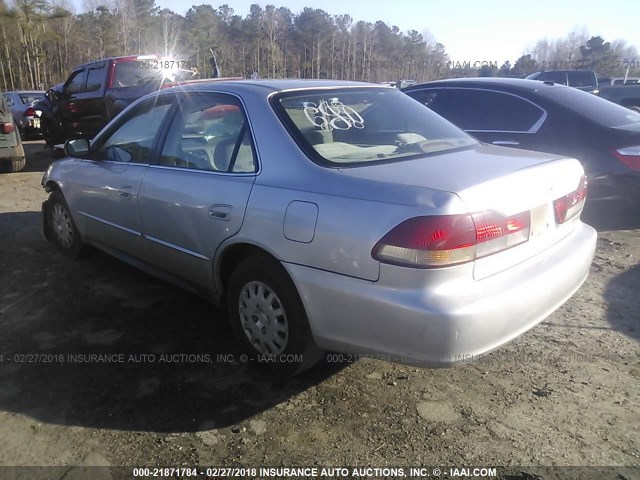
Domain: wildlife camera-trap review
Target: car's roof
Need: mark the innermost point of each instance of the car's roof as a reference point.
(517, 84)
(26, 91)
(277, 85)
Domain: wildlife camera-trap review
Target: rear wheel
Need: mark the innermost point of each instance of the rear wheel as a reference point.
(268, 317)
(15, 163)
(50, 133)
(18, 164)
(62, 228)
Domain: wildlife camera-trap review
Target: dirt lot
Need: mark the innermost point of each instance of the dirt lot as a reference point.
(566, 393)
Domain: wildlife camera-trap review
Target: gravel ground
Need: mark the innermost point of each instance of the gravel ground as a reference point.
(565, 393)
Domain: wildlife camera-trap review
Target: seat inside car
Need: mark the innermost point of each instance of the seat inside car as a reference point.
(223, 155)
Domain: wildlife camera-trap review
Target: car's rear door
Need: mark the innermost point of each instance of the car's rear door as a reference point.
(105, 187)
(196, 195)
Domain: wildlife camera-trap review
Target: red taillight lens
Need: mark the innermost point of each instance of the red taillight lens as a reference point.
(30, 112)
(630, 156)
(571, 205)
(444, 240)
(8, 127)
(496, 233)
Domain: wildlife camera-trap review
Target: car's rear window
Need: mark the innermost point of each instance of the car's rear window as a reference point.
(349, 126)
(581, 78)
(28, 98)
(592, 107)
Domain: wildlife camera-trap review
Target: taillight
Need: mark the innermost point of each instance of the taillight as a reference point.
(30, 112)
(444, 240)
(630, 156)
(8, 127)
(571, 205)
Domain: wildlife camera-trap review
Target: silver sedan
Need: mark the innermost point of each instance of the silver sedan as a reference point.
(329, 216)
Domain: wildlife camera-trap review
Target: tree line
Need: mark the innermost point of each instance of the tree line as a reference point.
(42, 40)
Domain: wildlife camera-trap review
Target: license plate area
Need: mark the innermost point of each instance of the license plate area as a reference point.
(541, 221)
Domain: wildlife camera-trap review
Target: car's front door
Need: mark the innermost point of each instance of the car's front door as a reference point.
(196, 194)
(91, 103)
(499, 118)
(107, 183)
(68, 112)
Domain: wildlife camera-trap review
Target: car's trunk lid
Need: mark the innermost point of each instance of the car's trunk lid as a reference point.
(488, 178)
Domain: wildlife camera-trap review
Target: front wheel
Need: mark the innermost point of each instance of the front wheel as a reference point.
(62, 228)
(268, 317)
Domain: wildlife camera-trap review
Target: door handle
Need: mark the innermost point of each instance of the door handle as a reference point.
(505, 142)
(220, 212)
(123, 193)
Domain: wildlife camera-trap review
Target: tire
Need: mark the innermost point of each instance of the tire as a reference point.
(281, 343)
(62, 229)
(17, 164)
(49, 134)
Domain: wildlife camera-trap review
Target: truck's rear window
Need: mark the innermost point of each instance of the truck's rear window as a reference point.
(132, 74)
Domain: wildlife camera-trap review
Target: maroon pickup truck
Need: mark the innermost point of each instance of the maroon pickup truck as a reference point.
(97, 91)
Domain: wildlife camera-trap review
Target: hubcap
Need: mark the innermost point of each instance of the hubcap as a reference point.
(263, 318)
(61, 225)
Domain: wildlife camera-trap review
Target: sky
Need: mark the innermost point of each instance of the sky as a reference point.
(472, 30)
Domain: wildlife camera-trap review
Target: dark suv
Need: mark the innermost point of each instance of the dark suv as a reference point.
(97, 91)
(585, 80)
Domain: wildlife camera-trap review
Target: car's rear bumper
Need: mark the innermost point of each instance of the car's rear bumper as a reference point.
(8, 153)
(442, 325)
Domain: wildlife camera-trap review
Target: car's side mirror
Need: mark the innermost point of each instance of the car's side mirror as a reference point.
(78, 148)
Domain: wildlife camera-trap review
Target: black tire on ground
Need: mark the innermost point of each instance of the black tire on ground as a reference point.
(49, 133)
(62, 229)
(57, 152)
(260, 285)
(17, 164)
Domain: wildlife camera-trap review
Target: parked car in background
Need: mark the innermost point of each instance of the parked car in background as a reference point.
(329, 215)
(623, 81)
(581, 79)
(627, 95)
(613, 89)
(546, 117)
(24, 115)
(97, 91)
(12, 158)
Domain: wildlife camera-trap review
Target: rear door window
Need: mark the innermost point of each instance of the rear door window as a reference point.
(210, 133)
(95, 78)
(486, 110)
(430, 97)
